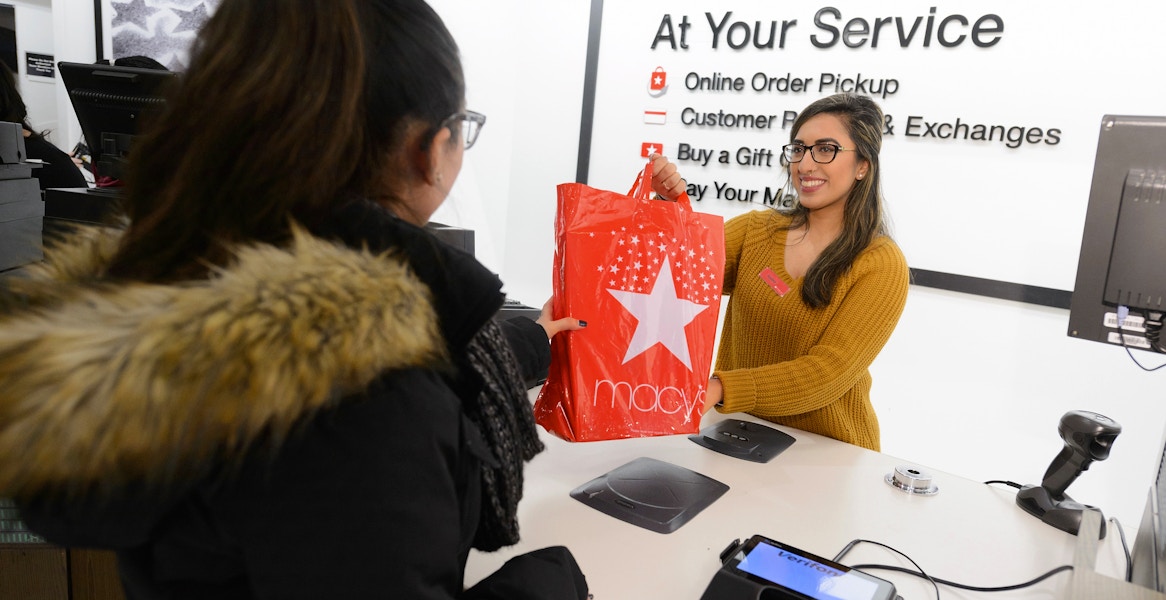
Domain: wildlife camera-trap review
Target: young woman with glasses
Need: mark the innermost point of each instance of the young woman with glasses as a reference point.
(274, 382)
(814, 292)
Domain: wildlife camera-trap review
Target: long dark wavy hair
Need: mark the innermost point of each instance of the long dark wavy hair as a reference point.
(12, 107)
(864, 219)
(289, 108)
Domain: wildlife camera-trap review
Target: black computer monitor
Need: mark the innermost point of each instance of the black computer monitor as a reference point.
(1121, 272)
(111, 102)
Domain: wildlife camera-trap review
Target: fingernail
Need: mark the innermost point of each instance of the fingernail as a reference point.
(582, 323)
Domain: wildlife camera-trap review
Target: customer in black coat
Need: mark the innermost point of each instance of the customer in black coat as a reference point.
(274, 383)
(57, 169)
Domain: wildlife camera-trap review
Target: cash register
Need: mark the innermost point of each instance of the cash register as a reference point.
(110, 102)
(21, 209)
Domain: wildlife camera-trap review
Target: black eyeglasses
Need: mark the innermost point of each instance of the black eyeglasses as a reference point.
(822, 154)
(472, 123)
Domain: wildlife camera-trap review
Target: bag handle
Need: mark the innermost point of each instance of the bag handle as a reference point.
(642, 188)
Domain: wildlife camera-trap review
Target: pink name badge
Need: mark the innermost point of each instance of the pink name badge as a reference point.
(775, 282)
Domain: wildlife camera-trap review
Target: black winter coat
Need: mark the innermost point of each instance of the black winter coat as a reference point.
(292, 427)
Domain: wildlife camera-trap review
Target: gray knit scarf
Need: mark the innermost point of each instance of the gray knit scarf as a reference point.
(504, 415)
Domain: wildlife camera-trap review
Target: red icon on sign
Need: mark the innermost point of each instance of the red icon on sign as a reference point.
(658, 83)
(649, 148)
(659, 79)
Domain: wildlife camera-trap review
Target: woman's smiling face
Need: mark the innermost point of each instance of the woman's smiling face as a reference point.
(826, 186)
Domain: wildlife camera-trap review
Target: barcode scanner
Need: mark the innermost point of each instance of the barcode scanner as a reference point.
(1088, 437)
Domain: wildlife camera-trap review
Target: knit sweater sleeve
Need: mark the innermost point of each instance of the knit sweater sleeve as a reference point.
(865, 308)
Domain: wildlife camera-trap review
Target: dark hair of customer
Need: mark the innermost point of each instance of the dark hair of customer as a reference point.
(294, 152)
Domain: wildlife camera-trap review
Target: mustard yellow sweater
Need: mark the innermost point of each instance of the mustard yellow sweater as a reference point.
(806, 368)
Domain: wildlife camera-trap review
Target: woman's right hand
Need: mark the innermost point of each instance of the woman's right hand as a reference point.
(666, 180)
(714, 393)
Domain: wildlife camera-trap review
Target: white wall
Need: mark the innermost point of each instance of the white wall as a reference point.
(64, 30)
(34, 33)
(976, 387)
(968, 386)
(524, 62)
(74, 42)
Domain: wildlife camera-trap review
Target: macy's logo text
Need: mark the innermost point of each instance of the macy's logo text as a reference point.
(645, 397)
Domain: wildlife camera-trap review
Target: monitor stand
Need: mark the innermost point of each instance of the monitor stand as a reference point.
(1088, 584)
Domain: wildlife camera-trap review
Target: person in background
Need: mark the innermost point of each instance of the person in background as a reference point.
(815, 292)
(274, 382)
(57, 169)
(138, 61)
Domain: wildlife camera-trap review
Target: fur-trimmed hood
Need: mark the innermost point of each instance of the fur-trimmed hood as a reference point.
(105, 384)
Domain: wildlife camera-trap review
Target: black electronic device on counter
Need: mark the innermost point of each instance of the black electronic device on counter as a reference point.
(1119, 295)
(650, 493)
(21, 208)
(765, 569)
(514, 308)
(13, 153)
(458, 237)
(111, 103)
(1088, 437)
(753, 442)
(463, 239)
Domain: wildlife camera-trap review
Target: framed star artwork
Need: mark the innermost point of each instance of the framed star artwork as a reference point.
(159, 29)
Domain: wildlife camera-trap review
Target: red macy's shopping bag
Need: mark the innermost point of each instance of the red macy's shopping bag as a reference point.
(646, 276)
